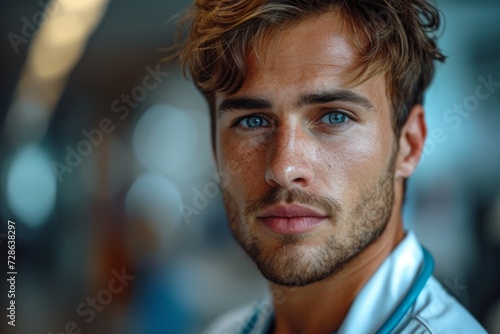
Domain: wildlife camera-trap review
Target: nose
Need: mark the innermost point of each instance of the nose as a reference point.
(291, 158)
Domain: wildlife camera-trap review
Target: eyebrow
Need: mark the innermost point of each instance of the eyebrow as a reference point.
(310, 98)
(332, 96)
(244, 103)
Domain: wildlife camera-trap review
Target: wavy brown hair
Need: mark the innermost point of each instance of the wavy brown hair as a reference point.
(393, 37)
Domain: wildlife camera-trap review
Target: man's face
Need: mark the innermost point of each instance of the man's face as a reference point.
(311, 158)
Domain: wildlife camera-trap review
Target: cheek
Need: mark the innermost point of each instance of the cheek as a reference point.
(244, 162)
(355, 165)
(371, 158)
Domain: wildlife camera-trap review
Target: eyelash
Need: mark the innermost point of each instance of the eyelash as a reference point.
(348, 120)
(237, 122)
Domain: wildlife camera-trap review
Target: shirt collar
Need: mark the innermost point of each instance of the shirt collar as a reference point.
(382, 293)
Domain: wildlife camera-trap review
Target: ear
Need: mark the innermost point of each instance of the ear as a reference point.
(411, 142)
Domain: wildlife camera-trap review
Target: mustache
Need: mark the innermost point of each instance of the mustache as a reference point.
(328, 206)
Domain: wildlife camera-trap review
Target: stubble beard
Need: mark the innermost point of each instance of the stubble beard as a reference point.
(293, 263)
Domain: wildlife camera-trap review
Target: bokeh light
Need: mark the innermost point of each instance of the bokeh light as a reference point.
(166, 141)
(31, 186)
(154, 199)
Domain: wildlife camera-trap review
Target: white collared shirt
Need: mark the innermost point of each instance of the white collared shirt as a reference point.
(434, 311)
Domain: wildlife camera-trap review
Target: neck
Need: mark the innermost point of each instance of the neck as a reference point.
(321, 307)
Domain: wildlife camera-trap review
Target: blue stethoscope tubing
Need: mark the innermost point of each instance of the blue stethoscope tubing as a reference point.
(411, 296)
(404, 306)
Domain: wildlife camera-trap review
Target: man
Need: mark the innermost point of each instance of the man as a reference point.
(317, 118)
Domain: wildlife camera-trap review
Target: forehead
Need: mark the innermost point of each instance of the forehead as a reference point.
(314, 54)
(314, 43)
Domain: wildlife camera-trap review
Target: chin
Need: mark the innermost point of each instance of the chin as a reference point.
(296, 264)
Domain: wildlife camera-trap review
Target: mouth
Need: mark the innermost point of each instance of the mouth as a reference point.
(291, 219)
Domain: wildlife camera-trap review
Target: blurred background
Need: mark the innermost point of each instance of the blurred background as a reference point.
(106, 170)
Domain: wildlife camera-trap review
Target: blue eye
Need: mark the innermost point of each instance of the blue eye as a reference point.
(253, 122)
(334, 118)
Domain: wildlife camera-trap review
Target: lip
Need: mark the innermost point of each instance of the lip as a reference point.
(290, 219)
